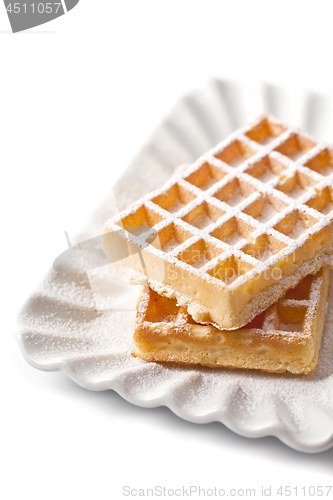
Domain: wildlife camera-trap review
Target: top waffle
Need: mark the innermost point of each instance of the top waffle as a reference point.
(230, 234)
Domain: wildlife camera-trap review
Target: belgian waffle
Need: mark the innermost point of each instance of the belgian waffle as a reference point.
(229, 235)
(285, 337)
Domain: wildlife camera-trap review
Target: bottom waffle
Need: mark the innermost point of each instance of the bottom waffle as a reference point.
(284, 338)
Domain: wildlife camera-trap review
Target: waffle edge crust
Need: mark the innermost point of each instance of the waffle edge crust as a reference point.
(284, 338)
(230, 234)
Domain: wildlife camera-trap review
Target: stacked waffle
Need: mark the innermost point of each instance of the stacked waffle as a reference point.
(233, 253)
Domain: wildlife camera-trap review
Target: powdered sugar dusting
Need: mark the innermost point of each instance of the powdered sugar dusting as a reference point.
(267, 176)
(266, 140)
(208, 184)
(326, 170)
(201, 261)
(235, 200)
(327, 209)
(268, 213)
(296, 154)
(202, 221)
(297, 230)
(178, 205)
(290, 327)
(234, 238)
(236, 162)
(171, 245)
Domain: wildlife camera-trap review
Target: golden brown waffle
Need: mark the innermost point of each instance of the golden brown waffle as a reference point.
(237, 229)
(285, 337)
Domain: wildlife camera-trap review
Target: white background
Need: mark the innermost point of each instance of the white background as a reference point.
(78, 97)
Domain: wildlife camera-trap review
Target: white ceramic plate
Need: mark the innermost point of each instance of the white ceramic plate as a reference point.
(83, 324)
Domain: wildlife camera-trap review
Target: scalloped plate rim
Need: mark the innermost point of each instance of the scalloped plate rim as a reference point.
(269, 430)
